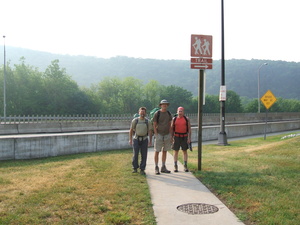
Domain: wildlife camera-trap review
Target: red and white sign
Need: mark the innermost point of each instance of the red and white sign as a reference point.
(201, 66)
(201, 45)
(201, 60)
(201, 63)
(222, 95)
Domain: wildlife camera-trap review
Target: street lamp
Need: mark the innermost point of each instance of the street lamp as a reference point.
(4, 83)
(258, 84)
(222, 139)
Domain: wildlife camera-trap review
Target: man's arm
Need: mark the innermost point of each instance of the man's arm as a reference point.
(155, 128)
(189, 131)
(150, 137)
(172, 128)
(130, 135)
(131, 132)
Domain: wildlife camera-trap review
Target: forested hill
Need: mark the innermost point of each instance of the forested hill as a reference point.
(241, 76)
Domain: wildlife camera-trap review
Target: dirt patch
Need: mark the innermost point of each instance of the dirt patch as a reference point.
(262, 147)
(23, 182)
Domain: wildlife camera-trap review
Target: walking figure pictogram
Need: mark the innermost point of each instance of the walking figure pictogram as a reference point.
(205, 47)
(197, 46)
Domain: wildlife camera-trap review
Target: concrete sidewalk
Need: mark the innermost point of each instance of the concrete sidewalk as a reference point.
(175, 190)
(181, 190)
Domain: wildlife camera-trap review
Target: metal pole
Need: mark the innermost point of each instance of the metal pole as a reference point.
(222, 135)
(200, 110)
(258, 84)
(266, 123)
(258, 87)
(4, 84)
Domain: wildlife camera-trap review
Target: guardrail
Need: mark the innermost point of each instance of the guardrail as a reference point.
(62, 118)
(230, 117)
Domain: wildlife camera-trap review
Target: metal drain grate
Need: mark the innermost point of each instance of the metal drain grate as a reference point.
(197, 208)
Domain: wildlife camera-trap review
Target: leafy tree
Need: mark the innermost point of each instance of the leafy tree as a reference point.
(95, 101)
(233, 103)
(152, 92)
(193, 108)
(9, 90)
(285, 105)
(212, 104)
(252, 106)
(109, 90)
(132, 93)
(80, 103)
(176, 96)
(294, 105)
(59, 88)
(27, 90)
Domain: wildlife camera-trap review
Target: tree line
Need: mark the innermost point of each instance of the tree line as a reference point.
(53, 92)
(281, 77)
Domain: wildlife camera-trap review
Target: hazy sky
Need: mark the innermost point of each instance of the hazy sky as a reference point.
(160, 29)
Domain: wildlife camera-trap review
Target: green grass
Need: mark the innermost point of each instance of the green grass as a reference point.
(96, 188)
(259, 180)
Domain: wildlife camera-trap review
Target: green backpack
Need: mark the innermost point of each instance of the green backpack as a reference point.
(152, 113)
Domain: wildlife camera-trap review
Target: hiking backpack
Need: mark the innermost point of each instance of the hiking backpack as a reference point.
(136, 119)
(186, 120)
(152, 113)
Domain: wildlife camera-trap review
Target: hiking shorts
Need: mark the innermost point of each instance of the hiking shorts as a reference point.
(180, 142)
(162, 142)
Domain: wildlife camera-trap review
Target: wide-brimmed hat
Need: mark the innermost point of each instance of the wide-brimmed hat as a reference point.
(164, 101)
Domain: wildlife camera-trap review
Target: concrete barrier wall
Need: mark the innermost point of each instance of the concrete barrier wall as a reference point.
(47, 145)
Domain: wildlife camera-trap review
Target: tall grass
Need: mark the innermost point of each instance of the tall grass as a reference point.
(258, 179)
(96, 188)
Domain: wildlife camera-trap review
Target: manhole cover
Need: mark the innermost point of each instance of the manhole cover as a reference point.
(197, 208)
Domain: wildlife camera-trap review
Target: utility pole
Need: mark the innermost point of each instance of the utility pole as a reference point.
(4, 83)
(222, 140)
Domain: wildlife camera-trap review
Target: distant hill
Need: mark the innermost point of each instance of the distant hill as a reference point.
(282, 78)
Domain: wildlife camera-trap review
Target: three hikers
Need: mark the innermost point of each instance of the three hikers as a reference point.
(170, 133)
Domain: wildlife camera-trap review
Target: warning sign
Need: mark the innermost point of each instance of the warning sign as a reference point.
(268, 99)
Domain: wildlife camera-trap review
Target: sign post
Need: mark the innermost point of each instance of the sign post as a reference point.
(201, 51)
(268, 99)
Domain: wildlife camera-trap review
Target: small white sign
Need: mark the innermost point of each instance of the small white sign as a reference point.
(222, 96)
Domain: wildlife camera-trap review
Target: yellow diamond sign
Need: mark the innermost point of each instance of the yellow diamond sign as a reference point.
(268, 99)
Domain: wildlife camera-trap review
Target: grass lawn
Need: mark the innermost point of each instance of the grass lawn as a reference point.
(95, 188)
(259, 180)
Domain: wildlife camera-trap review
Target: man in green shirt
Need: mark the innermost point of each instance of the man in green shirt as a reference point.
(162, 130)
(140, 129)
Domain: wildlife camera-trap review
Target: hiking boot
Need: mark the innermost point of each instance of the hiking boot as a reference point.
(134, 170)
(142, 172)
(157, 170)
(164, 170)
(186, 169)
(175, 168)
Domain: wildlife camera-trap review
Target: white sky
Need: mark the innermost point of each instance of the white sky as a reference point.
(159, 29)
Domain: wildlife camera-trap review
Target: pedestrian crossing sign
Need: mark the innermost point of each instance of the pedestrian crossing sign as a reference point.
(268, 99)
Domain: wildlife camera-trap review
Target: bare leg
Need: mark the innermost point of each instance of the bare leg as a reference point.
(185, 156)
(164, 156)
(156, 154)
(175, 156)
